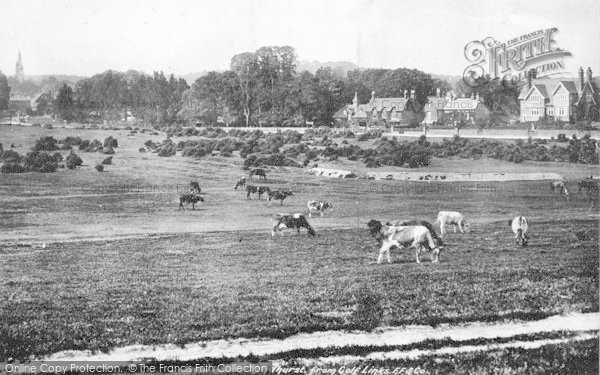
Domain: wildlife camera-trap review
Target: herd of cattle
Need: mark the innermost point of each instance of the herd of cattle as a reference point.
(418, 234)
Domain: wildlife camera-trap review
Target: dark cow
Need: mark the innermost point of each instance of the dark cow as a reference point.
(282, 221)
(258, 172)
(240, 183)
(278, 195)
(588, 184)
(195, 187)
(189, 198)
(260, 190)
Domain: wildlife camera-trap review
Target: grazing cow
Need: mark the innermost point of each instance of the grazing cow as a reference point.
(415, 222)
(519, 227)
(260, 190)
(414, 236)
(195, 187)
(278, 195)
(282, 221)
(240, 183)
(318, 206)
(588, 184)
(559, 186)
(189, 198)
(258, 172)
(454, 218)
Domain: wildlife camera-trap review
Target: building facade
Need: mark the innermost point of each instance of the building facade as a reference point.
(560, 99)
(450, 108)
(379, 111)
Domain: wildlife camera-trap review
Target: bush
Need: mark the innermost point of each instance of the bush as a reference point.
(36, 161)
(99, 168)
(45, 144)
(111, 142)
(142, 149)
(108, 150)
(107, 161)
(10, 156)
(57, 157)
(368, 309)
(12, 167)
(73, 160)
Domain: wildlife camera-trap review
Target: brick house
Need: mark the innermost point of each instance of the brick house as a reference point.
(394, 111)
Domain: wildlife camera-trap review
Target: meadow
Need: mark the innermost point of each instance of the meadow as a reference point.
(102, 260)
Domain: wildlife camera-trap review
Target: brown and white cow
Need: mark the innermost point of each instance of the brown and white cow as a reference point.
(240, 183)
(297, 220)
(260, 190)
(258, 172)
(318, 206)
(559, 186)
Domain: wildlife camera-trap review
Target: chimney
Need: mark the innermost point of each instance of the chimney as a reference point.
(412, 94)
(372, 95)
(438, 92)
(589, 74)
(405, 94)
(581, 77)
(529, 78)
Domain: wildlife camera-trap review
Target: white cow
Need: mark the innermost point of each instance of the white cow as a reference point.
(519, 227)
(453, 218)
(415, 236)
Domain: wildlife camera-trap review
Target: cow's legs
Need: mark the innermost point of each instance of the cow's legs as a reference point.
(461, 226)
(454, 227)
(181, 205)
(385, 249)
(321, 213)
(281, 203)
(417, 250)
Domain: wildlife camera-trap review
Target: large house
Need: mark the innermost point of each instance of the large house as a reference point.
(379, 111)
(450, 108)
(561, 99)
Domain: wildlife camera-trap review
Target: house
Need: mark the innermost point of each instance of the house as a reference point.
(19, 105)
(451, 108)
(42, 103)
(560, 99)
(379, 111)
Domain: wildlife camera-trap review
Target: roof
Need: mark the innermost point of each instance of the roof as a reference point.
(448, 104)
(542, 90)
(387, 104)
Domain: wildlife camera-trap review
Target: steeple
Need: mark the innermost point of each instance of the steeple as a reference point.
(19, 73)
(355, 100)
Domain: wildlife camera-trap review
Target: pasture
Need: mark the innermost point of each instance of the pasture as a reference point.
(103, 260)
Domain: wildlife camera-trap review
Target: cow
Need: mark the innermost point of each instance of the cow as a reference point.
(260, 190)
(195, 187)
(189, 198)
(416, 236)
(240, 183)
(454, 218)
(588, 184)
(297, 220)
(278, 195)
(519, 227)
(415, 222)
(318, 206)
(258, 172)
(559, 186)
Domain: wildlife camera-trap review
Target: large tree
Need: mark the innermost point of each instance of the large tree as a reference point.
(4, 92)
(64, 103)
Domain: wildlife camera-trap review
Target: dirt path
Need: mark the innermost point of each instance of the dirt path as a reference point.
(383, 337)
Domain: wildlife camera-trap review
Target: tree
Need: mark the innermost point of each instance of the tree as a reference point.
(4, 92)
(64, 102)
(245, 67)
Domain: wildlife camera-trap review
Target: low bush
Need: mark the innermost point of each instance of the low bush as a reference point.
(107, 161)
(99, 168)
(73, 160)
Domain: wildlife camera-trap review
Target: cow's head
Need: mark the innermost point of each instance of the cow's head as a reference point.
(375, 228)
(327, 204)
(288, 193)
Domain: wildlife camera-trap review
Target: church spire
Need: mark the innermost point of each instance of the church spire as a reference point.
(19, 73)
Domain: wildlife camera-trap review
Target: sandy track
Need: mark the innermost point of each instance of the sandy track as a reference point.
(383, 337)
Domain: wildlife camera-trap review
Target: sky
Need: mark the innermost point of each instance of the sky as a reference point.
(184, 36)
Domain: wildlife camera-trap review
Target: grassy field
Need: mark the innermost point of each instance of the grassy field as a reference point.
(122, 265)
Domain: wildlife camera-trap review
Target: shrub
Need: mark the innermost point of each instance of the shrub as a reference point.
(36, 161)
(45, 144)
(107, 161)
(57, 157)
(10, 156)
(99, 168)
(108, 150)
(111, 142)
(73, 160)
(368, 309)
(142, 149)
(12, 167)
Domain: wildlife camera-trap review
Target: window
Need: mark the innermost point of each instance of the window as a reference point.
(535, 111)
(550, 111)
(562, 96)
(535, 98)
(561, 111)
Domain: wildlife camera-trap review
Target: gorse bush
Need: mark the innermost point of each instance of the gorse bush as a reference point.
(73, 160)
